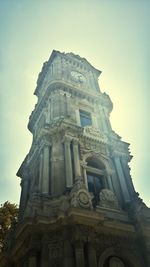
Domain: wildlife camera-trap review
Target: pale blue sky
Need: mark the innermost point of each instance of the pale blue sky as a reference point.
(113, 36)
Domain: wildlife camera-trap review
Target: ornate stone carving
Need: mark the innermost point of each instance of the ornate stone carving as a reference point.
(41, 205)
(95, 134)
(57, 206)
(108, 199)
(92, 147)
(80, 197)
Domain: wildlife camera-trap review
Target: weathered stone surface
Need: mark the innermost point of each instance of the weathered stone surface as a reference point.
(78, 206)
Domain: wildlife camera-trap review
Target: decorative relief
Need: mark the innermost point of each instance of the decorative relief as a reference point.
(95, 134)
(92, 147)
(108, 199)
(80, 197)
(39, 205)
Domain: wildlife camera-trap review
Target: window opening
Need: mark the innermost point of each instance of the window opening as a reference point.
(95, 185)
(85, 118)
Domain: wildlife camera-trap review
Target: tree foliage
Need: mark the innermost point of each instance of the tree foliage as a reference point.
(8, 214)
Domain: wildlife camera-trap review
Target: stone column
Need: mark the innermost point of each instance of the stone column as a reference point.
(76, 160)
(68, 163)
(45, 169)
(68, 255)
(40, 172)
(58, 183)
(122, 179)
(44, 252)
(105, 181)
(62, 104)
(110, 183)
(84, 164)
(79, 254)
(117, 187)
(92, 261)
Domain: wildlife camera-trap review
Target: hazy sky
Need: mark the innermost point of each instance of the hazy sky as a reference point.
(113, 36)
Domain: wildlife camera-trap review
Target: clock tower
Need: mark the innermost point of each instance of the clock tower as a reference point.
(78, 205)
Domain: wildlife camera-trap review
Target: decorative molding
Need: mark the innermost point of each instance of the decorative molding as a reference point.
(95, 134)
(108, 199)
(80, 197)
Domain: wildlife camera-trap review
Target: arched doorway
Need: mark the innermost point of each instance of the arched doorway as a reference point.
(109, 258)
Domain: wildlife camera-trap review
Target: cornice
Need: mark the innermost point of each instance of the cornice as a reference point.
(68, 57)
(94, 97)
(92, 133)
(116, 147)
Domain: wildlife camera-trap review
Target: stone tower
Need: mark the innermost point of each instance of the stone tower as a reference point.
(78, 205)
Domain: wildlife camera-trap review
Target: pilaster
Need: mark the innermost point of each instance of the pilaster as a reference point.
(68, 162)
(76, 160)
(46, 170)
(121, 177)
(44, 252)
(125, 167)
(68, 254)
(92, 261)
(48, 113)
(40, 172)
(79, 254)
(109, 179)
(57, 166)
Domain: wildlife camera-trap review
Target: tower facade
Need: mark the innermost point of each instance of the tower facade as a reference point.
(78, 205)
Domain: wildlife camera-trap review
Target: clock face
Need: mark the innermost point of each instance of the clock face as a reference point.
(78, 77)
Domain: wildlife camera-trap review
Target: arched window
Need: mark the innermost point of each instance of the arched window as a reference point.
(96, 180)
(116, 262)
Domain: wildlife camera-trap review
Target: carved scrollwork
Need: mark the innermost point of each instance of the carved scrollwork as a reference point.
(79, 196)
(108, 199)
(95, 134)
